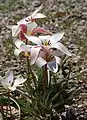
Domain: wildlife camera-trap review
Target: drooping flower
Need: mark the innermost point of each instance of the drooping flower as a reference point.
(51, 41)
(9, 82)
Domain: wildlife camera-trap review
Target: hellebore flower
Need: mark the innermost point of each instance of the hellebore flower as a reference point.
(10, 83)
(27, 50)
(46, 57)
(51, 41)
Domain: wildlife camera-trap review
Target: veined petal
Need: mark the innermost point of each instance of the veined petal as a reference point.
(30, 27)
(17, 52)
(62, 48)
(39, 15)
(33, 39)
(18, 43)
(34, 54)
(56, 37)
(40, 62)
(15, 30)
(52, 66)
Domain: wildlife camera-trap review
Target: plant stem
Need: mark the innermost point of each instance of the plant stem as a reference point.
(45, 77)
(31, 72)
(9, 104)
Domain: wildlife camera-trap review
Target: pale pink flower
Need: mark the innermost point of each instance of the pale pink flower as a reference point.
(46, 57)
(51, 41)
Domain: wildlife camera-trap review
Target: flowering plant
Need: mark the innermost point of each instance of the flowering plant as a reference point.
(36, 99)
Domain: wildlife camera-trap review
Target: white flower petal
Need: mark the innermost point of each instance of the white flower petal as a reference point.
(62, 48)
(56, 37)
(44, 38)
(7, 82)
(40, 62)
(33, 39)
(36, 11)
(22, 21)
(57, 53)
(15, 30)
(9, 77)
(52, 66)
(34, 54)
(30, 27)
(25, 48)
(39, 15)
(18, 43)
(17, 52)
(58, 60)
(18, 81)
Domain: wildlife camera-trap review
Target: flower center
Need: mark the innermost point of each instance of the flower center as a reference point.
(49, 58)
(26, 54)
(46, 43)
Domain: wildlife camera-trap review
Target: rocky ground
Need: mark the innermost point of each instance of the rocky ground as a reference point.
(62, 15)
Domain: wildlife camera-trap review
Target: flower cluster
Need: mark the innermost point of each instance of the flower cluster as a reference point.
(40, 50)
(46, 49)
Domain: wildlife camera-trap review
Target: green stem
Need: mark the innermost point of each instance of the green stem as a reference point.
(31, 72)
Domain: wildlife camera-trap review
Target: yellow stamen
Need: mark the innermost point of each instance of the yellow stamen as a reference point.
(26, 54)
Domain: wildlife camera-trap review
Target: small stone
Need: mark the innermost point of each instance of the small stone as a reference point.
(79, 106)
(36, 3)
